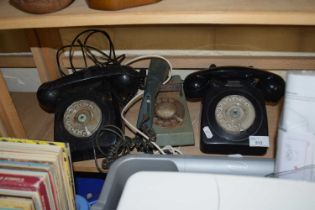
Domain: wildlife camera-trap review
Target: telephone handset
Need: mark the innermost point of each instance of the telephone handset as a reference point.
(122, 81)
(271, 85)
(233, 118)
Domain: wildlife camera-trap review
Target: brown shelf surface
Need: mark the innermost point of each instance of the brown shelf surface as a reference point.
(39, 125)
(268, 12)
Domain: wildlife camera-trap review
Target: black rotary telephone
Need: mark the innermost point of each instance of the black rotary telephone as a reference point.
(234, 116)
(87, 100)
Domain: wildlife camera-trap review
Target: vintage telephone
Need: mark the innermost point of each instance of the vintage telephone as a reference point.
(233, 118)
(86, 101)
(163, 114)
(159, 71)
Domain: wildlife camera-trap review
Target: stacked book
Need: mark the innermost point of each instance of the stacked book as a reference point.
(35, 175)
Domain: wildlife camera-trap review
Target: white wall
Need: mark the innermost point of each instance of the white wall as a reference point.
(21, 79)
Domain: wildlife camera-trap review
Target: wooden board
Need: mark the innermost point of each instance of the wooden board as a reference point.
(10, 122)
(194, 109)
(171, 37)
(202, 37)
(13, 41)
(186, 59)
(39, 125)
(17, 61)
(268, 12)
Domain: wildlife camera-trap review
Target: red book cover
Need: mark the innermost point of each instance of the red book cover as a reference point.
(26, 183)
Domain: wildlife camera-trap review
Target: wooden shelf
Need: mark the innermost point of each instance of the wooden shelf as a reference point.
(267, 12)
(39, 125)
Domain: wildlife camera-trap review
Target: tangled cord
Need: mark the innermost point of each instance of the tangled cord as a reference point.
(123, 146)
(98, 57)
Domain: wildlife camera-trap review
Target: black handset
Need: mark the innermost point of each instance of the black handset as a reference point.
(271, 85)
(233, 118)
(122, 81)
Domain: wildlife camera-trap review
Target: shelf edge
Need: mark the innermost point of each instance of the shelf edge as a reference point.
(160, 18)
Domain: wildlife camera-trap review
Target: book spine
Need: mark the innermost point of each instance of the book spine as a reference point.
(26, 183)
(55, 196)
(25, 194)
(69, 171)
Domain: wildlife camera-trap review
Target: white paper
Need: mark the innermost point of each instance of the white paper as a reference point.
(297, 151)
(296, 136)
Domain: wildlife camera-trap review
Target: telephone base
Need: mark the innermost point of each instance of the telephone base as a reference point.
(243, 113)
(231, 149)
